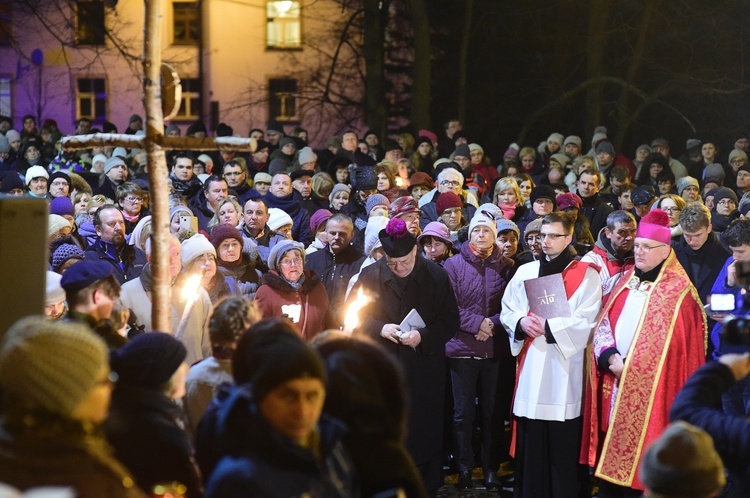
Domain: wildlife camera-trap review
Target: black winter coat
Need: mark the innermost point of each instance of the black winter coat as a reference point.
(144, 429)
(335, 271)
(428, 290)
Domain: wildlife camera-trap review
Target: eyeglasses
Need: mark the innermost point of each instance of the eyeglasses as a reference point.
(398, 264)
(553, 236)
(645, 248)
(450, 183)
(233, 173)
(737, 161)
(726, 202)
(671, 210)
(533, 239)
(134, 200)
(291, 262)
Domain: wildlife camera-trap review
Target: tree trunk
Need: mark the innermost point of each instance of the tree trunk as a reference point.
(421, 80)
(597, 39)
(463, 61)
(376, 112)
(157, 166)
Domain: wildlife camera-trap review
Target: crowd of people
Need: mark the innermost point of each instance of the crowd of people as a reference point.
(457, 265)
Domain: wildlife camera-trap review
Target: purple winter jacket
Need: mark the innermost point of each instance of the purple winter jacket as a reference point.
(479, 287)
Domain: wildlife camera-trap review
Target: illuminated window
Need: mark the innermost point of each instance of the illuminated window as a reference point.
(186, 23)
(283, 99)
(6, 31)
(5, 96)
(283, 27)
(190, 107)
(90, 22)
(91, 99)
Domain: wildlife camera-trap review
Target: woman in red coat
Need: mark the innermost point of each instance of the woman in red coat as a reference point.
(290, 290)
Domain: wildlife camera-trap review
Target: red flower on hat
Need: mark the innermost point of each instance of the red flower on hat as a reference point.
(396, 227)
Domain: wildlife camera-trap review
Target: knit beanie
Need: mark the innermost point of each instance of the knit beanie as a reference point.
(286, 141)
(54, 292)
(568, 200)
(447, 200)
(55, 223)
(685, 182)
(134, 118)
(10, 181)
(683, 462)
(473, 147)
(12, 135)
(714, 170)
(171, 128)
(339, 187)
(504, 225)
(605, 146)
(282, 247)
(59, 174)
(436, 230)
(373, 228)
(573, 139)
(277, 165)
(560, 159)
(376, 200)
(598, 137)
(112, 162)
(4, 144)
(655, 226)
(543, 192)
(319, 218)
(645, 147)
(222, 232)
(396, 240)
(63, 253)
(737, 154)
(148, 360)
(35, 172)
(511, 154)
(462, 150)
(61, 205)
(693, 146)
(194, 247)
(534, 226)
(724, 193)
(51, 365)
(483, 218)
(428, 134)
(272, 357)
(306, 155)
(365, 178)
(278, 218)
(120, 152)
(556, 137)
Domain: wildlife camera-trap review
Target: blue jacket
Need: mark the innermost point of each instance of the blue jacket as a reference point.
(128, 263)
(241, 455)
(720, 287)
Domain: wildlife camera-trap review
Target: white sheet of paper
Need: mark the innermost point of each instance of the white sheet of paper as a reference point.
(412, 321)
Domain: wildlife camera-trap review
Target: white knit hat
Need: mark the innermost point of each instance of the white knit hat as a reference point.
(35, 172)
(374, 225)
(556, 137)
(278, 218)
(55, 223)
(484, 218)
(194, 247)
(307, 155)
(54, 292)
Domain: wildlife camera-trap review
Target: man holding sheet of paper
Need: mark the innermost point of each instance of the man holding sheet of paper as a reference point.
(400, 284)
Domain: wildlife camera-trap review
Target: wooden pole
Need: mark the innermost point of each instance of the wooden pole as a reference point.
(157, 166)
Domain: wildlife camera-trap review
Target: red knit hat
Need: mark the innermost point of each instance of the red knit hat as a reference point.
(655, 226)
(448, 200)
(223, 232)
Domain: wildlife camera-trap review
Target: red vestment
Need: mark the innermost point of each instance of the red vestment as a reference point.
(668, 346)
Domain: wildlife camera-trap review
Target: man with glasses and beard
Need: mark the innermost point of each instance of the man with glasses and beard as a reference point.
(111, 247)
(398, 283)
(650, 338)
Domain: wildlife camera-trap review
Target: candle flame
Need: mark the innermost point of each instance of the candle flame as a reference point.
(191, 287)
(351, 319)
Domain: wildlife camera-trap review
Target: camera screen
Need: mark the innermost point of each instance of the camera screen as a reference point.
(722, 302)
